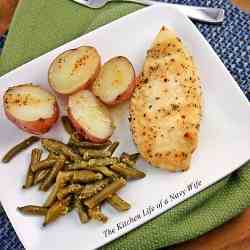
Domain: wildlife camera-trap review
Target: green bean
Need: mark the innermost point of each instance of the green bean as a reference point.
(19, 147)
(132, 157)
(67, 125)
(105, 193)
(103, 162)
(76, 137)
(86, 176)
(65, 177)
(88, 154)
(92, 189)
(125, 171)
(83, 216)
(33, 210)
(50, 179)
(118, 203)
(61, 180)
(78, 165)
(104, 170)
(74, 148)
(58, 147)
(124, 155)
(128, 162)
(70, 189)
(89, 145)
(96, 214)
(41, 175)
(35, 157)
(59, 208)
(52, 196)
(47, 163)
(113, 147)
(53, 155)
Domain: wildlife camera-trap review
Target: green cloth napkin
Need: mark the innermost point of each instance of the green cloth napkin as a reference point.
(41, 25)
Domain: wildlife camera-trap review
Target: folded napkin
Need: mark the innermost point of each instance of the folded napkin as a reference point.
(39, 26)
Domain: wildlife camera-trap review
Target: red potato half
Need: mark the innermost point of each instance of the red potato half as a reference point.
(31, 108)
(115, 82)
(74, 70)
(89, 116)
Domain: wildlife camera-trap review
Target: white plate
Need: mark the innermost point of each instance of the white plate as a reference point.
(223, 147)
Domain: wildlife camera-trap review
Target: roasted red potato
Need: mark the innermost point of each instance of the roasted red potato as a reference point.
(31, 108)
(74, 70)
(89, 116)
(115, 82)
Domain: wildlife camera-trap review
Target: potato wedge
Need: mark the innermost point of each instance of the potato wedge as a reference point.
(115, 82)
(89, 116)
(74, 69)
(31, 108)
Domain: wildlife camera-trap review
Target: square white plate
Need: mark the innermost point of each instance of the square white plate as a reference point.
(223, 147)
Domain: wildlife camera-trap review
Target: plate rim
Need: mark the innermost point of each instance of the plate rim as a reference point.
(147, 9)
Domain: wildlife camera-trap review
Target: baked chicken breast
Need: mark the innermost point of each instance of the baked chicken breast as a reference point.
(165, 109)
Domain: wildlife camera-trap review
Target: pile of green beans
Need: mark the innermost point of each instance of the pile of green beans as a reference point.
(80, 175)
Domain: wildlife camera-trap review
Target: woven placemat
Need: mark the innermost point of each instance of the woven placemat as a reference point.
(229, 40)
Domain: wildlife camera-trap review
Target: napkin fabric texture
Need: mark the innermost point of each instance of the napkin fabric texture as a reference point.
(39, 26)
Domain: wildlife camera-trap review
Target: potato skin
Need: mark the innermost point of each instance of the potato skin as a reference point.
(83, 132)
(126, 94)
(38, 127)
(122, 97)
(84, 85)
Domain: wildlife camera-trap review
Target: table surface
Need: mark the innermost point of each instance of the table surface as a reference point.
(235, 234)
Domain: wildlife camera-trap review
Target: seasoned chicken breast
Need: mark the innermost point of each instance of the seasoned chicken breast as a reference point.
(165, 109)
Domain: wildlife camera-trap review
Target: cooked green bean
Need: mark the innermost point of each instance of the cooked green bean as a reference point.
(50, 179)
(113, 147)
(96, 214)
(59, 208)
(103, 162)
(125, 171)
(65, 177)
(132, 157)
(67, 125)
(53, 155)
(78, 165)
(35, 157)
(47, 163)
(105, 193)
(61, 180)
(85, 166)
(58, 147)
(41, 175)
(19, 147)
(92, 189)
(128, 162)
(83, 216)
(76, 137)
(124, 155)
(33, 210)
(88, 154)
(105, 171)
(86, 176)
(89, 145)
(70, 189)
(118, 203)
(52, 196)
